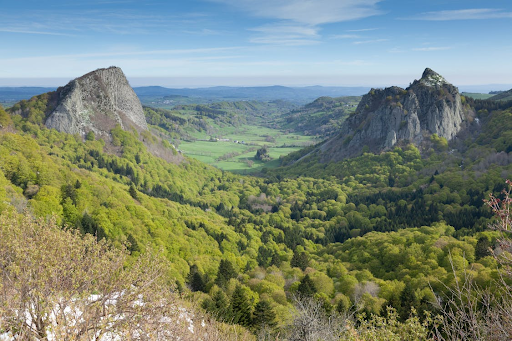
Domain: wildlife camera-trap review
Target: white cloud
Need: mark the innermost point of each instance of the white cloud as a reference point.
(363, 30)
(372, 41)
(345, 36)
(286, 34)
(464, 14)
(311, 12)
(24, 31)
(299, 20)
(432, 48)
(396, 50)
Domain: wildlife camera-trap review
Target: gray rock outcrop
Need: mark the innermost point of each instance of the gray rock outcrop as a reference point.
(394, 116)
(97, 102)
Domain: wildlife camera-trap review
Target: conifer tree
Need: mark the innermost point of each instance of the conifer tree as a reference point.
(133, 192)
(482, 248)
(218, 305)
(225, 273)
(299, 260)
(306, 287)
(264, 315)
(241, 307)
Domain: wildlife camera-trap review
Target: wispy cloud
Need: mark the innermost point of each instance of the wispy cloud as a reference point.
(87, 22)
(363, 30)
(203, 32)
(372, 41)
(396, 50)
(307, 11)
(21, 31)
(345, 36)
(463, 14)
(309, 15)
(285, 34)
(432, 48)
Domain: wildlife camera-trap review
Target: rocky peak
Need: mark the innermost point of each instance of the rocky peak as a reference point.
(396, 116)
(431, 78)
(97, 102)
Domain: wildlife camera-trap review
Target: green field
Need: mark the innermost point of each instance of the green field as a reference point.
(475, 95)
(239, 157)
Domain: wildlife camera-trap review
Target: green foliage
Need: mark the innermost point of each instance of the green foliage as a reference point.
(368, 232)
(241, 307)
(306, 287)
(440, 143)
(482, 248)
(299, 260)
(5, 119)
(133, 192)
(264, 315)
(225, 272)
(90, 136)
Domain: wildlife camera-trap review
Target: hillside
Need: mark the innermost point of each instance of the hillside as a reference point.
(358, 235)
(502, 96)
(322, 117)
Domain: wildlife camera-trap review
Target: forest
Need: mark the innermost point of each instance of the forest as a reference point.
(377, 246)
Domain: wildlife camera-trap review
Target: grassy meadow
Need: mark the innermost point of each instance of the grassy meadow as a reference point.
(238, 157)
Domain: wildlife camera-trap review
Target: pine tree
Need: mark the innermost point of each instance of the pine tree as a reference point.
(407, 301)
(197, 282)
(276, 260)
(482, 248)
(306, 287)
(195, 279)
(264, 315)
(218, 306)
(300, 260)
(241, 307)
(133, 192)
(225, 273)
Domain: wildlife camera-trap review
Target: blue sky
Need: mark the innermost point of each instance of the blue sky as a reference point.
(187, 43)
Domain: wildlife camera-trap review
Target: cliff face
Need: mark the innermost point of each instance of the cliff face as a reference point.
(97, 102)
(391, 116)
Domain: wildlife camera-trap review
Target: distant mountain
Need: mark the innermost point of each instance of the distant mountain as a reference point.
(15, 94)
(502, 96)
(430, 109)
(300, 95)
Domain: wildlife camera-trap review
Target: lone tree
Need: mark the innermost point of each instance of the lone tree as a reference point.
(262, 154)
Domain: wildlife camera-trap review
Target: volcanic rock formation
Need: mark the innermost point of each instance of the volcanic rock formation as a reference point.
(97, 102)
(391, 116)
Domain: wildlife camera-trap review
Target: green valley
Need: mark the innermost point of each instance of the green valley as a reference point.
(376, 237)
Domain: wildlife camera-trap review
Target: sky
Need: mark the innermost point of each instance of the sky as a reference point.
(193, 43)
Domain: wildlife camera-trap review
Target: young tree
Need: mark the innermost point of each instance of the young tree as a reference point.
(61, 285)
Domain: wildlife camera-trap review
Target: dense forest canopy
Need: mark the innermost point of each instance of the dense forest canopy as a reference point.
(395, 229)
